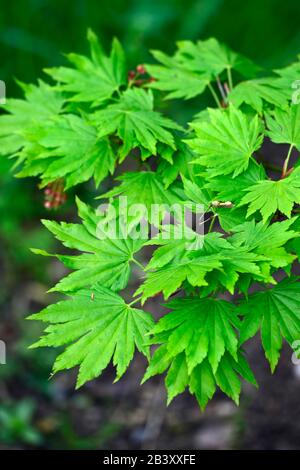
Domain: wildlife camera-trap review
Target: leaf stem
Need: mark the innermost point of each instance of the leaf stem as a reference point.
(215, 96)
(135, 301)
(138, 263)
(223, 94)
(212, 222)
(229, 75)
(254, 161)
(286, 162)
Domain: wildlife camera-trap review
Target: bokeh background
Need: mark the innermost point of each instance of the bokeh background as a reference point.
(39, 413)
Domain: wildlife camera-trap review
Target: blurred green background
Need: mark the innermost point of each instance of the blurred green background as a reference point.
(38, 413)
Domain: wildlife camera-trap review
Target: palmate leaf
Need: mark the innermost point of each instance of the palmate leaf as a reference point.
(92, 80)
(226, 143)
(210, 262)
(269, 196)
(288, 79)
(236, 260)
(224, 269)
(201, 381)
(169, 278)
(174, 242)
(135, 122)
(41, 102)
(200, 349)
(196, 193)
(223, 188)
(104, 260)
(213, 57)
(193, 66)
(70, 148)
(94, 331)
(267, 240)
(294, 244)
(256, 93)
(230, 189)
(87, 123)
(276, 312)
(145, 195)
(201, 328)
(284, 126)
(172, 77)
(180, 165)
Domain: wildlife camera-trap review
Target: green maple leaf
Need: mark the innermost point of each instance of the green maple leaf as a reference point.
(194, 66)
(267, 240)
(92, 80)
(226, 143)
(104, 260)
(223, 188)
(235, 260)
(180, 165)
(208, 262)
(202, 381)
(41, 102)
(146, 195)
(200, 327)
(230, 217)
(196, 192)
(174, 241)
(135, 122)
(256, 93)
(231, 189)
(227, 376)
(169, 278)
(70, 149)
(95, 331)
(294, 244)
(284, 126)
(276, 312)
(172, 76)
(288, 79)
(269, 196)
(213, 57)
(177, 378)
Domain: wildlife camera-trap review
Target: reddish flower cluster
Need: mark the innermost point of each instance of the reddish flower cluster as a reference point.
(133, 76)
(54, 195)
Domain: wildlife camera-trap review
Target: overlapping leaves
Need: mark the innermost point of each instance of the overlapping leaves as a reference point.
(95, 326)
(226, 142)
(194, 66)
(268, 196)
(92, 80)
(103, 260)
(69, 148)
(200, 348)
(276, 312)
(134, 121)
(90, 120)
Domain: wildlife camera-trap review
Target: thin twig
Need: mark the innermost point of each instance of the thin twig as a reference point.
(229, 75)
(286, 162)
(211, 225)
(214, 94)
(223, 94)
